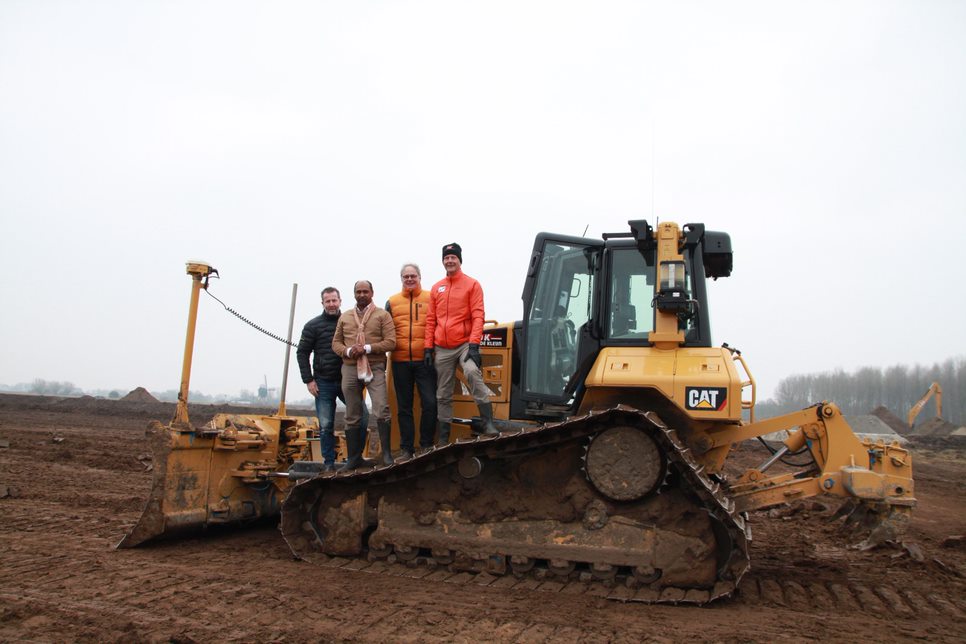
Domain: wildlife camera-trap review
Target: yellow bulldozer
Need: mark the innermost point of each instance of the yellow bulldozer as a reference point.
(616, 415)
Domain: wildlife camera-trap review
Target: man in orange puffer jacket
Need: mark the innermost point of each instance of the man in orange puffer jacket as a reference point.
(409, 309)
(454, 327)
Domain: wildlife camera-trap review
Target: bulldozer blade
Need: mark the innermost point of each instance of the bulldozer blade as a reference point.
(228, 472)
(151, 523)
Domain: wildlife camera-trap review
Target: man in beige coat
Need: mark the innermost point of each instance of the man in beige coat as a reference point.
(362, 337)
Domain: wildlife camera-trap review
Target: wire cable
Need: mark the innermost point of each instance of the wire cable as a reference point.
(249, 322)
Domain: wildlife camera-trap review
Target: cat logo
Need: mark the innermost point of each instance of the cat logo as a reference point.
(706, 398)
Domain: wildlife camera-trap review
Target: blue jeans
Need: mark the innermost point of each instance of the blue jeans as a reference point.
(329, 390)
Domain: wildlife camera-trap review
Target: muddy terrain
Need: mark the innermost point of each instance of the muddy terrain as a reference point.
(74, 475)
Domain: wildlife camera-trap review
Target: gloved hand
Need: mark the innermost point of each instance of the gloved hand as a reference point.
(474, 355)
(428, 356)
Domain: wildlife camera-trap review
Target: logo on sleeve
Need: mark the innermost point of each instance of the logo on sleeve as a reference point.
(706, 398)
(441, 289)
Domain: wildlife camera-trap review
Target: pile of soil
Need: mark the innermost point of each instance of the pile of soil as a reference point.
(873, 427)
(898, 425)
(140, 395)
(79, 403)
(934, 427)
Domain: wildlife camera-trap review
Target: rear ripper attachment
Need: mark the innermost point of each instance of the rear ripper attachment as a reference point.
(612, 499)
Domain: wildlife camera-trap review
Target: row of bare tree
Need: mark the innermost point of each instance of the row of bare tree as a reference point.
(52, 388)
(897, 388)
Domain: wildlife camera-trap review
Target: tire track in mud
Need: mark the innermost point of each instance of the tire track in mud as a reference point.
(114, 589)
(126, 588)
(153, 581)
(54, 564)
(817, 596)
(140, 581)
(61, 580)
(853, 596)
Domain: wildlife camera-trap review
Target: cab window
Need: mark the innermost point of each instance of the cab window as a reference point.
(631, 290)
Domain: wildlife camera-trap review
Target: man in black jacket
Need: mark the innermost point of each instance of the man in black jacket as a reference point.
(324, 377)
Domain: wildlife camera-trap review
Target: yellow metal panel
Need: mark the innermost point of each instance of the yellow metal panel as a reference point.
(634, 367)
(697, 380)
(864, 483)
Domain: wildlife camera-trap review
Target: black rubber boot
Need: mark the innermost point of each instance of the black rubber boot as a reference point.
(443, 437)
(384, 445)
(354, 440)
(486, 414)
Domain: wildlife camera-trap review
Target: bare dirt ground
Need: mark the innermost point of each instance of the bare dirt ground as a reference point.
(73, 480)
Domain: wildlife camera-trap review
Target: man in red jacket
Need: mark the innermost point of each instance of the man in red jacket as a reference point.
(454, 327)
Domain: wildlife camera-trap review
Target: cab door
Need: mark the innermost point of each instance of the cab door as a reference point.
(560, 330)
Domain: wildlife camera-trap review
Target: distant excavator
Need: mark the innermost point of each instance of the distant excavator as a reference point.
(617, 415)
(934, 390)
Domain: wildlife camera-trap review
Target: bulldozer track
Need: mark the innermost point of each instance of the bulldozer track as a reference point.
(304, 536)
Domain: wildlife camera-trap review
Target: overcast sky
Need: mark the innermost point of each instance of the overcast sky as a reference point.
(321, 142)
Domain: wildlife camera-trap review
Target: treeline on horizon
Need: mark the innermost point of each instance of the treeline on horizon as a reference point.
(65, 388)
(897, 388)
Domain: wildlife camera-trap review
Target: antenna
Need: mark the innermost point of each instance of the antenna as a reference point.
(288, 352)
(652, 164)
(585, 230)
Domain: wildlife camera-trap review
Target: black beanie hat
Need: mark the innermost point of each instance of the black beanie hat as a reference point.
(453, 249)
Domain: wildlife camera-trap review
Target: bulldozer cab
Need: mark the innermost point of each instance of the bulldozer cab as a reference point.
(584, 294)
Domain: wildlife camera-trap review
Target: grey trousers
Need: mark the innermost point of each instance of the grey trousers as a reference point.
(447, 360)
(352, 390)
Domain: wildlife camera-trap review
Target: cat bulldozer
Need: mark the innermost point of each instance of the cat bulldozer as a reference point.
(617, 415)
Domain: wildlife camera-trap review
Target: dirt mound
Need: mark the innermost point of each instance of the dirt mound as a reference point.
(898, 425)
(934, 427)
(140, 395)
(74, 403)
(873, 427)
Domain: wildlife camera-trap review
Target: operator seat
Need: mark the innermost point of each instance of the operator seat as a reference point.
(623, 320)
